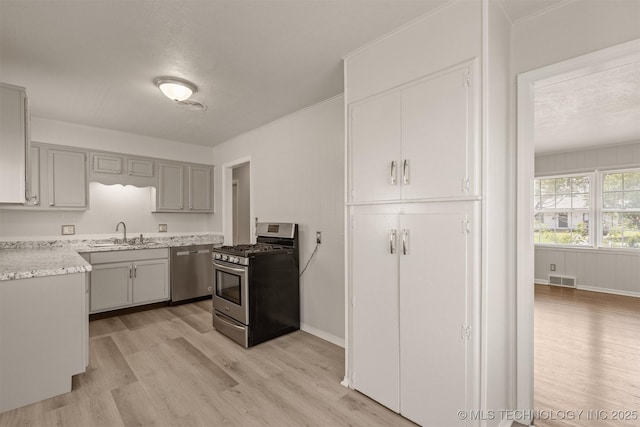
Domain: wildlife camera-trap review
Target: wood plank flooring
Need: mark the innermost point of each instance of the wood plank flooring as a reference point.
(169, 367)
(587, 356)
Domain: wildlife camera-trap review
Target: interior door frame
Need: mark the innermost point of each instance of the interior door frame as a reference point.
(572, 68)
(227, 198)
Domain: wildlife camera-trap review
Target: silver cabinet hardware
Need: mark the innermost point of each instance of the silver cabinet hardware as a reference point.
(135, 270)
(405, 242)
(393, 173)
(130, 273)
(405, 172)
(392, 241)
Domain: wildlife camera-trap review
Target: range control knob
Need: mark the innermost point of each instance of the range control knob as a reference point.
(216, 256)
(225, 257)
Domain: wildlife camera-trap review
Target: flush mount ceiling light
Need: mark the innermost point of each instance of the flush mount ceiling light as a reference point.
(174, 88)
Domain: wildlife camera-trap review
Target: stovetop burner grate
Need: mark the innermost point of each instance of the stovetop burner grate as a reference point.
(246, 250)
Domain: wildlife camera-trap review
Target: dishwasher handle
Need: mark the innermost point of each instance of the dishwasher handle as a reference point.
(198, 252)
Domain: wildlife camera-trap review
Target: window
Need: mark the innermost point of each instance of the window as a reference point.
(562, 207)
(621, 209)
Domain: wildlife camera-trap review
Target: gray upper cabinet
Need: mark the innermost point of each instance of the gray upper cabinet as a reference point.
(104, 163)
(170, 187)
(14, 143)
(112, 168)
(200, 184)
(140, 167)
(179, 183)
(67, 176)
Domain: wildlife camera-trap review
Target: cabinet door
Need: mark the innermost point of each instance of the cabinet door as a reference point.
(438, 136)
(13, 143)
(150, 281)
(104, 163)
(437, 302)
(170, 187)
(374, 148)
(35, 196)
(67, 179)
(110, 286)
(200, 188)
(139, 167)
(375, 308)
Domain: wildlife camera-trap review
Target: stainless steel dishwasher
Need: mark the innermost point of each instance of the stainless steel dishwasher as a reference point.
(191, 272)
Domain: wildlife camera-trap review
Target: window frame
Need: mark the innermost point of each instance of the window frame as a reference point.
(602, 210)
(596, 210)
(590, 211)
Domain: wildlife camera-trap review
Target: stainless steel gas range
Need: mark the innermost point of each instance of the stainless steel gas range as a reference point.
(256, 293)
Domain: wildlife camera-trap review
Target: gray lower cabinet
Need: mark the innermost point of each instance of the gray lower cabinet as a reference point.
(121, 279)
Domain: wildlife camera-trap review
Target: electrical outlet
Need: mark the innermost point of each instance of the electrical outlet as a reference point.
(318, 237)
(162, 228)
(552, 267)
(68, 229)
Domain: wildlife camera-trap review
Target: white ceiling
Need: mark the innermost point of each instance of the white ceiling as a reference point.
(595, 109)
(92, 62)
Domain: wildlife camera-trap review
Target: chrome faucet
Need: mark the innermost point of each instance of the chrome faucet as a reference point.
(125, 230)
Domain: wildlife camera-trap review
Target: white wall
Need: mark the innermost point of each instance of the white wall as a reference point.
(498, 383)
(108, 204)
(617, 156)
(241, 174)
(606, 270)
(297, 176)
(575, 28)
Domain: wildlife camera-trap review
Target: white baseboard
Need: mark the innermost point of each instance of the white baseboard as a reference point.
(594, 289)
(322, 334)
(610, 291)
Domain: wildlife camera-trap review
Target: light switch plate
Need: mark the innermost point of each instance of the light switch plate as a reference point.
(162, 228)
(68, 229)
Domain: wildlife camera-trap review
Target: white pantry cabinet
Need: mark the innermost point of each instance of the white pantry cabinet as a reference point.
(415, 305)
(121, 279)
(14, 143)
(418, 141)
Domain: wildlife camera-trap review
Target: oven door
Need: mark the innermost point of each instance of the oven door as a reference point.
(230, 291)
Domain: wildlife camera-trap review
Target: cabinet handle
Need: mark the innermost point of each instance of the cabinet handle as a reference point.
(392, 241)
(119, 170)
(405, 172)
(405, 242)
(130, 274)
(135, 271)
(51, 204)
(393, 173)
(130, 172)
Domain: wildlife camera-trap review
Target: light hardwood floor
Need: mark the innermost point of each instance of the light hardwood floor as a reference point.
(169, 367)
(587, 356)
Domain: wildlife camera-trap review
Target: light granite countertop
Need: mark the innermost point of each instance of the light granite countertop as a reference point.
(25, 259)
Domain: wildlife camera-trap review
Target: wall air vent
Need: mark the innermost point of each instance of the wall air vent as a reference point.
(569, 281)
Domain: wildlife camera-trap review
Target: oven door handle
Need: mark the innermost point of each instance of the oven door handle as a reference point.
(226, 322)
(227, 268)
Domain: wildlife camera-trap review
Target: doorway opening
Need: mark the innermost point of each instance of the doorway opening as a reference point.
(528, 138)
(237, 202)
